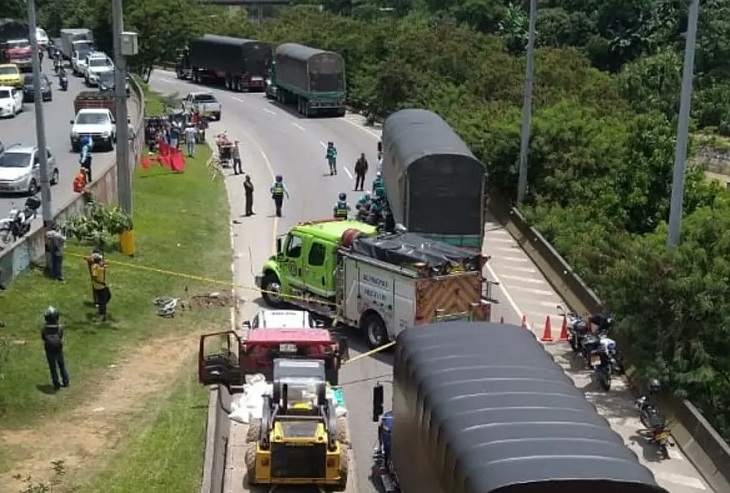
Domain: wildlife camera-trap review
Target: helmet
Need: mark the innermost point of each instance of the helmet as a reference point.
(379, 174)
(279, 178)
(342, 196)
(654, 385)
(51, 315)
(367, 194)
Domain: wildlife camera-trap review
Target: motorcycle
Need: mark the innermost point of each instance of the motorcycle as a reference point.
(610, 348)
(601, 365)
(63, 82)
(655, 424)
(17, 224)
(583, 342)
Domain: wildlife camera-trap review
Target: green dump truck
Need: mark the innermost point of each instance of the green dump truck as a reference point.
(312, 79)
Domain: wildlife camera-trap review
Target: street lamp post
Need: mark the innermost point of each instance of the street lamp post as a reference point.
(527, 106)
(40, 127)
(680, 155)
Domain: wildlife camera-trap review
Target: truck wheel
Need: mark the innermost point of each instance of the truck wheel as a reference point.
(254, 430)
(218, 116)
(250, 460)
(271, 291)
(344, 470)
(375, 331)
(342, 436)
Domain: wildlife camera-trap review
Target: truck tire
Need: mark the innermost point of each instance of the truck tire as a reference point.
(344, 471)
(250, 460)
(376, 333)
(271, 285)
(254, 430)
(342, 436)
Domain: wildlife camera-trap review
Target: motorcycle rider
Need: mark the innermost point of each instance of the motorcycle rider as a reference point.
(62, 79)
(331, 157)
(52, 337)
(57, 62)
(341, 210)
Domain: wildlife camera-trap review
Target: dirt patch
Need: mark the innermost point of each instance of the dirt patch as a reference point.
(211, 300)
(95, 427)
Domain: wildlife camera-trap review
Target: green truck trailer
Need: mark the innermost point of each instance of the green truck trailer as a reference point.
(312, 79)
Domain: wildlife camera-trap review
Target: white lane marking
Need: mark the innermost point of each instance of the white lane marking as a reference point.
(541, 292)
(239, 99)
(514, 259)
(267, 110)
(323, 144)
(527, 270)
(298, 126)
(688, 481)
(348, 172)
(550, 304)
(523, 279)
(512, 249)
(506, 294)
(360, 127)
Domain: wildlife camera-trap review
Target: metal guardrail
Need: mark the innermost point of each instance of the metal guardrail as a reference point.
(704, 447)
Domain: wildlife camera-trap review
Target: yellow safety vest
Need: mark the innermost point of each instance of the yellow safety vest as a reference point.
(278, 189)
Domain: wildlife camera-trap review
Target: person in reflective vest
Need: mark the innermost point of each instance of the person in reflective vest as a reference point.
(363, 206)
(278, 191)
(379, 184)
(341, 209)
(332, 157)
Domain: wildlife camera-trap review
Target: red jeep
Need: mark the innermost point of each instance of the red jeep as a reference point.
(228, 362)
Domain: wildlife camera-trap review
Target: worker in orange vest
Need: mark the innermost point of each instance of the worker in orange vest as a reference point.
(80, 181)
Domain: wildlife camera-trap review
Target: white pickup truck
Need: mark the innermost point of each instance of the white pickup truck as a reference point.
(204, 102)
(97, 123)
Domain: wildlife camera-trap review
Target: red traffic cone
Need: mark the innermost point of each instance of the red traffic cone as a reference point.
(547, 334)
(564, 329)
(524, 322)
(501, 320)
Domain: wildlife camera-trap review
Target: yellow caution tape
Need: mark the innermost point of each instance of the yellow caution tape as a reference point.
(370, 353)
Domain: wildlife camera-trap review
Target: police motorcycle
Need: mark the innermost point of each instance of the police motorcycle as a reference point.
(17, 223)
(384, 469)
(654, 422)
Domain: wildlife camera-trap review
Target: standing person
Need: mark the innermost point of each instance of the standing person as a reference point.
(248, 189)
(332, 157)
(236, 156)
(341, 210)
(278, 190)
(90, 260)
(190, 135)
(361, 169)
(85, 158)
(174, 133)
(56, 240)
(52, 336)
(102, 294)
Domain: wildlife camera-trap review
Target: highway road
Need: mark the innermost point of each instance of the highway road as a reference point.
(57, 115)
(275, 141)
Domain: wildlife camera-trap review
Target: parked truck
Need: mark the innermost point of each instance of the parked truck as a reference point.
(312, 79)
(482, 407)
(239, 64)
(95, 100)
(381, 283)
(434, 184)
(76, 44)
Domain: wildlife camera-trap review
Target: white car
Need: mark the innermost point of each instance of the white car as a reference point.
(20, 169)
(11, 101)
(96, 123)
(282, 319)
(97, 64)
(204, 102)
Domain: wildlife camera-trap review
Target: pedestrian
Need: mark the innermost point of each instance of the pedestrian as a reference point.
(331, 157)
(248, 189)
(174, 135)
(56, 242)
(52, 336)
(236, 155)
(361, 169)
(190, 134)
(89, 263)
(102, 293)
(278, 190)
(85, 158)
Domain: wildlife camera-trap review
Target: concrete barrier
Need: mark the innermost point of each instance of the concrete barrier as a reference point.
(709, 453)
(17, 258)
(217, 431)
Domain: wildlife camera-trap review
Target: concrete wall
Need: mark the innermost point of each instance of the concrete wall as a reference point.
(699, 441)
(216, 441)
(17, 258)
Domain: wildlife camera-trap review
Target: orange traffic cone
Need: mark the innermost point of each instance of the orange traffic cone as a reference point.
(501, 320)
(564, 329)
(524, 322)
(547, 334)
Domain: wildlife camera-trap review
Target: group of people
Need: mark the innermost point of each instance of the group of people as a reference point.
(371, 208)
(229, 152)
(185, 127)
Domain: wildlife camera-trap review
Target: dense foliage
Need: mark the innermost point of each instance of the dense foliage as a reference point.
(606, 96)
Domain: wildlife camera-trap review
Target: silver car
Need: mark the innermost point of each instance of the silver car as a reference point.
(20, 170)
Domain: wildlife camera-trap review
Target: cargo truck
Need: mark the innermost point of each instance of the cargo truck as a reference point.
(312, 79)
(76, 44)
(238, 64)
(95, 100)
(435, 186)
(483, 408)
(380, 283)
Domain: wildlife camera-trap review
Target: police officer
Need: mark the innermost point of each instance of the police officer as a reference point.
(379, 184)
(278, 190)
(52, 336)
(341, 209)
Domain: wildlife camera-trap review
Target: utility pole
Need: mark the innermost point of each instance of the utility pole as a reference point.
(527, 106)
(680, 154)
(124, 172)
(40, 128)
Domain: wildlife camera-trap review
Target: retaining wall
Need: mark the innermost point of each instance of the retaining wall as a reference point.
(698, 439)
(217, 431)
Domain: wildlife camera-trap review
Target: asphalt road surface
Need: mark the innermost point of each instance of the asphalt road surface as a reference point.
(57, 115)
(276, 141)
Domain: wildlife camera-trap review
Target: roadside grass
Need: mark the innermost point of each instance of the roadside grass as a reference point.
(164, 449)
(181, 226)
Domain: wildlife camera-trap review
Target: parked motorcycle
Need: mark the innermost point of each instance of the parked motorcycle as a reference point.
(653, 420)
(610, 348)
(583, 342)
(17, 223)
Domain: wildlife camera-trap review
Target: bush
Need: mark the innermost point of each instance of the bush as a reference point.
(100, 225)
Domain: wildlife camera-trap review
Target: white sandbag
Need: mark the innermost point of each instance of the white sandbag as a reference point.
(240, 415)
(340, 412)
